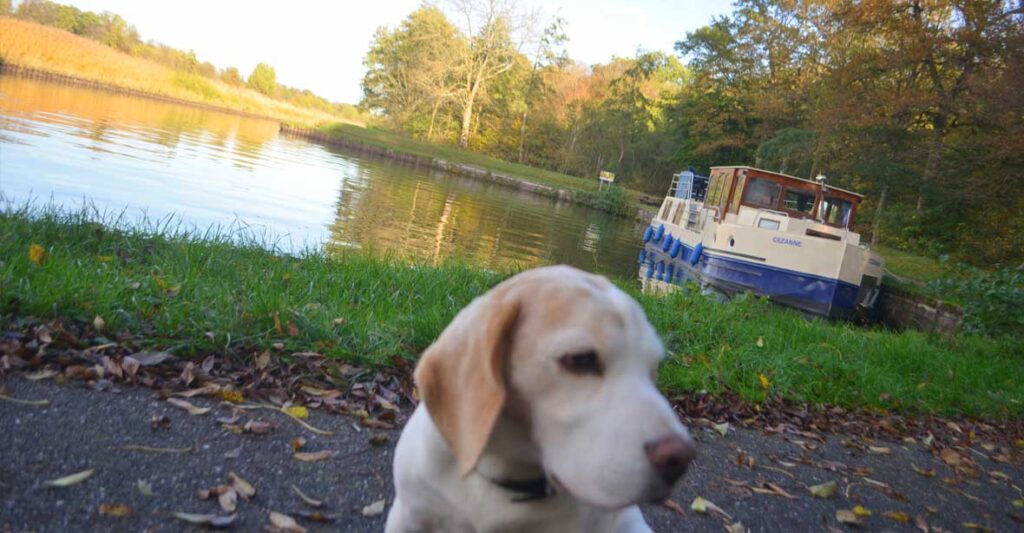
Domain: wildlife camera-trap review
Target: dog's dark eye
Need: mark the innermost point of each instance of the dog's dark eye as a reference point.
(581, 363)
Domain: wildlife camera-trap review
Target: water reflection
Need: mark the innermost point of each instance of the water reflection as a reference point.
(212, 168)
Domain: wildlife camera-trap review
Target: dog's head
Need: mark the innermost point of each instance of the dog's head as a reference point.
(574, 358)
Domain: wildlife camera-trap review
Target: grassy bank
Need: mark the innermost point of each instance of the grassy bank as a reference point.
(35, 46)
(585, 190)
(199, 294)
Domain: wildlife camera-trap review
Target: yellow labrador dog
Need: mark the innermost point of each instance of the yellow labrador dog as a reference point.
(539, 413)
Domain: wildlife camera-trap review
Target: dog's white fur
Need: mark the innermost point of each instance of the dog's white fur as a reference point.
(497, 405)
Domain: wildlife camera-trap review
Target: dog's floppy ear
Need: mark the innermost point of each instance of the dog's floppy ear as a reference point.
(461, 376)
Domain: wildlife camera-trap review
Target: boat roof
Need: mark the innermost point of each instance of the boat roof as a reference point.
(792, 177)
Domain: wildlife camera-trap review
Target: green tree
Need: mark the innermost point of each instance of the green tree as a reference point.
(263, 79)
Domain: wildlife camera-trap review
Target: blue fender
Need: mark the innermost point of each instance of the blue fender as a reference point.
(650, 270)
(642, 257)
(648, 233)
(669, 272)
(697, 251)
(676, 246)
(661, 271)
(668, 242)
(659, 233)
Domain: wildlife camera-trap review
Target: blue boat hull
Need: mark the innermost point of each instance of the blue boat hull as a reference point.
(815, 294)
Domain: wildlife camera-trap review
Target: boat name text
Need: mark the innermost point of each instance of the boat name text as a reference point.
(790, 242)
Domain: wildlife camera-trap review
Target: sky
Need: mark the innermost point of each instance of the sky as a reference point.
(319, 45)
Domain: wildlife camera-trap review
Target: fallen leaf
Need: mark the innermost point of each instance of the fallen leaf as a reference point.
(298, 443)
(922, 471)
(898, 516)
(36, 254)
(228, 500)
(1018, 503)
(298, 411)
(673, 506)
(232, 396)
(1001, 475)
(931, 510)
(846, 516)
(861, 511)
(192, 410)
(117, 510)
(824, 490)
(880, 450)
(772, 488)
(927, 441)
(950, 457)
(760, 342)
(736, 527)
(285, 524)
(722, 428)
(233, 453)
(208, 520)
(765, 382)
(374, 508)
(379, 439)
(145, 488)
(293, 330)
(151, 358)
(67, 481)
(313, 456)
(258, 427)
(159, 422)
(42, 374)
(306, 499)
(921, 524)
(99, 323)
(975, 526)
(241, 486)
(263, 360)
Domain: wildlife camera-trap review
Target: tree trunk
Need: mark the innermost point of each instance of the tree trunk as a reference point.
(433, 115)
(522, 139)
(931, 166)
(876, 230)
(467, 115)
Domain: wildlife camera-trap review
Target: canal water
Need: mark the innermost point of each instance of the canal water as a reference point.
(71, 146)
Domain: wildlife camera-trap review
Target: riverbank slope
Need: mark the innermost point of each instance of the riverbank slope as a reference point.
(33, 46)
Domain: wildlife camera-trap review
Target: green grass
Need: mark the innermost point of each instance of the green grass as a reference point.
(908, 265)
(172, 287)
(384, 138)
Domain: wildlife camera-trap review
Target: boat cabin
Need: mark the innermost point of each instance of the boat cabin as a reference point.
(731, 187)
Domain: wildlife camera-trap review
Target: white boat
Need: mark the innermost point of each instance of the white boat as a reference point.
(746, 229)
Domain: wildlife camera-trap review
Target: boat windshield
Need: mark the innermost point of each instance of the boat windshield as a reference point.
(836, 211)
(799, 200)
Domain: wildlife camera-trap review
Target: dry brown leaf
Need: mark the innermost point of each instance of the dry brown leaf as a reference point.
(228, 500)
(144, 487)
(207, 520)
(374, 509)
(285, 524)
(192, 409)
(722, 428)
(880, 450)
(298, 443)
(117, 510)
(950, 457)
(293, 330)
(263, 360)
(672, 505)
(848, 517)
(922, 471)
(306, 499)
(736, 527)
(258, 427)
(825, 490)
(314, 456)
(898, 516)
(42, 374)
(99, 323)
(241, 486)
(68, 481)
(974, 526)
(921, 524)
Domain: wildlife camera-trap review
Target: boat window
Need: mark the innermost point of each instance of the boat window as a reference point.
(762, 193)
(734, 206)
(799, 200)
(678, 217)
(718, 188)
(836, 211)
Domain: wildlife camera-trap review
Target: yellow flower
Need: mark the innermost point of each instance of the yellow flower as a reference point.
(36, 253)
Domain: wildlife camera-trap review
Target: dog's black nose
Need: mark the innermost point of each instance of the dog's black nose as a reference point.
(670, 455)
